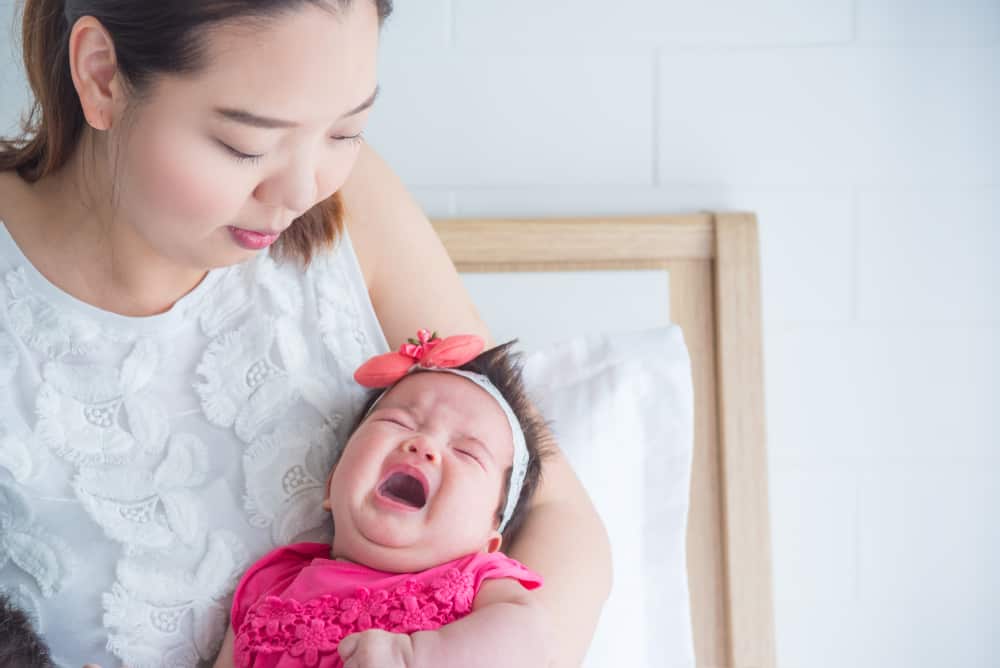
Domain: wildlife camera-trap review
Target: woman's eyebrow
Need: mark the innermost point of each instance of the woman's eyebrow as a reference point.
(246, 118)
(364, 105)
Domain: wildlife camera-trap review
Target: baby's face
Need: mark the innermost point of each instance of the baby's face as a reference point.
(419, 482)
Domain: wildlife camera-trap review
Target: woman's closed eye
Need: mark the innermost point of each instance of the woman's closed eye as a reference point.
(354, 139)
(240, 155)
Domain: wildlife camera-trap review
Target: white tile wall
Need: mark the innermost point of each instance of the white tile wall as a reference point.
(929, 256)
(816, 537)
(13, 87)
(884, 393)
(924, 22)
(488, 120)
(864, 133)
(632, 24)
(925, 523)
(416, 27)
(876, 116)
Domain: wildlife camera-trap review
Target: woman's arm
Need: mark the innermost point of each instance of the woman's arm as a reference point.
(411, 280)
(225, 658)
(564, 539)
(413, 284)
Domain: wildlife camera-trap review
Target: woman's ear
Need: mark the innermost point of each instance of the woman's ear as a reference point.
(494, 542)
(94, 67)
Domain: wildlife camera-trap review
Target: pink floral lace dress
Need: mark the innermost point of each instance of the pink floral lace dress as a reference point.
(293, 607)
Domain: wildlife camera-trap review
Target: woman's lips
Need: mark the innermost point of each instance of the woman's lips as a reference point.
(252, 240)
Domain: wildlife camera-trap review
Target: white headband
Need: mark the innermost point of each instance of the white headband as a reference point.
(520, 466)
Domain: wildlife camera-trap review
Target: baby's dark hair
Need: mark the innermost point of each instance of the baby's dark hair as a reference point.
(503, 367)
(20, 646)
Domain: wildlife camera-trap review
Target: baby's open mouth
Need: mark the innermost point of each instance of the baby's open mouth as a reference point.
(404, 488)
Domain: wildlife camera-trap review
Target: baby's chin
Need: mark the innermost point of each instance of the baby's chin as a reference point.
(392, 558)
(387, 559)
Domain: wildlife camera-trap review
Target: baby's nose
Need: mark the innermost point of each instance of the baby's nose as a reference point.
(421, 448)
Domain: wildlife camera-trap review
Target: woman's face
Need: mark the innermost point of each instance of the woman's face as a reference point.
(215, 165)
(419, 481)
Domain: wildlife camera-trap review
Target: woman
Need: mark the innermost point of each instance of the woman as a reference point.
(169, 389)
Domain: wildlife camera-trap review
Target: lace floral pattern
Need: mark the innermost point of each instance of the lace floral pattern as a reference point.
(15, 437)
(30, 546)
(248, 387)
(315, 627)
(83, 409)
(285, 471)
(152, 600)
(43, 326)
(145, 429)
(148, 509)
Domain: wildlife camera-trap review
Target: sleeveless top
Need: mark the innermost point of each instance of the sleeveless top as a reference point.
(145, 463)
(293, 607)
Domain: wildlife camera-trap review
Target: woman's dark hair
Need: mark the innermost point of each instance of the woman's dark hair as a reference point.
(151, 38)
(20, 646)
(502, 366)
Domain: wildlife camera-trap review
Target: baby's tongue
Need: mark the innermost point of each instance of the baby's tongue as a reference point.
(404, 488)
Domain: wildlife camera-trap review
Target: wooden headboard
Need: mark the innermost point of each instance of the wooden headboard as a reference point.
(712, 260)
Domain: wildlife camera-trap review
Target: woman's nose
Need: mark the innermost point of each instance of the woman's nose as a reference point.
(422, 448)
(294, 188)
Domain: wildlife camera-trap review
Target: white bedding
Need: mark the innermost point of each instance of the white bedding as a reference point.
(622, 408)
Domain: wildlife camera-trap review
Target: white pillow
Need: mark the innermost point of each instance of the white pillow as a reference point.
(621, 407)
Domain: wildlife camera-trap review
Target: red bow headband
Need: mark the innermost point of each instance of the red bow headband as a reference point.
(425, 351)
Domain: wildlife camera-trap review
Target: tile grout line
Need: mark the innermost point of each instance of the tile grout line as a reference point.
(451, 27)
(855, 266)
(655, 125)
(854, 23)
(857, 539)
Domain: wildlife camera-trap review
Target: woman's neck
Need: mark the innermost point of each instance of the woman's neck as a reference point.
(65, 225)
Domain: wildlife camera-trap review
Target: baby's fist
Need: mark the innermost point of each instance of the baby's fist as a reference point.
(376, 649)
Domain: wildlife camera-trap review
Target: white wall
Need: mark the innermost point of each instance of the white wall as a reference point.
(866, 135)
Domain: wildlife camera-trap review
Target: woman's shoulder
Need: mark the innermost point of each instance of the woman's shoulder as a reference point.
(377, 209)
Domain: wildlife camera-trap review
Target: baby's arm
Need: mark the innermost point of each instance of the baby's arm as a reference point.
(507, 629)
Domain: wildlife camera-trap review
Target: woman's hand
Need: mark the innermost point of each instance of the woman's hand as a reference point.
(376, 649)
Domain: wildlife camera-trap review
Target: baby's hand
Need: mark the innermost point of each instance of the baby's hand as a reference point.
(376, 649)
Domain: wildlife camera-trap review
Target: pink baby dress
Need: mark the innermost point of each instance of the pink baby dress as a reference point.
(293, 607)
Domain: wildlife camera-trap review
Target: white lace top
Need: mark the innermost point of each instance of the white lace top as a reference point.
(145, 462)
